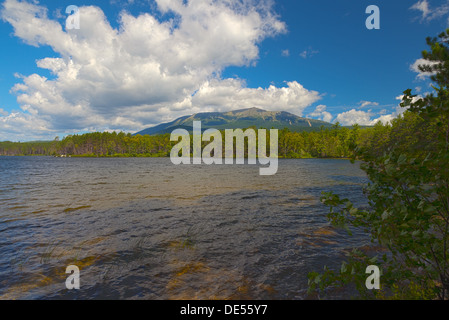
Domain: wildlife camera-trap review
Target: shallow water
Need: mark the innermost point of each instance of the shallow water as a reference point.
(142, 228)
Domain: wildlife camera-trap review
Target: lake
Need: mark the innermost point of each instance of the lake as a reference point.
(143, 228)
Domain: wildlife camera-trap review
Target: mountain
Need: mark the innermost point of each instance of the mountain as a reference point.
(239, 119)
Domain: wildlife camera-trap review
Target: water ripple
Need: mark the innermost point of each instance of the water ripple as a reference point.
(141, 228)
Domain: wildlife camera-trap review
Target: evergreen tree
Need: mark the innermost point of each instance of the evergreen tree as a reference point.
(408, 196)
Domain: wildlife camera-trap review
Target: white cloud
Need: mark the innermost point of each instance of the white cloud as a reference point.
(145, 71)
(428, 13)
(364, 104)
(231, 94)
(422, 75)
(308, 53)
(22, 127)
(419, 96)
(286, 53)
(320, 113)
(369, 118)
(3, 112)
(365, 118)
(354, 116)
(422, 6)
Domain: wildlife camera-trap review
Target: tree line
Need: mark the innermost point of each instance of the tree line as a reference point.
(333, 142)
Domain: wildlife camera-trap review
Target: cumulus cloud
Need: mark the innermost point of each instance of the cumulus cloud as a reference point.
(145, 71)
(354, 116)
(357, 116)
(231, 93)
(366, 118)
(320, 113)
(23, 127)
(370, 118)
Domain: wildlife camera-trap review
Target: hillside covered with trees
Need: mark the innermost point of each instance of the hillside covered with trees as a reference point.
(334, 142)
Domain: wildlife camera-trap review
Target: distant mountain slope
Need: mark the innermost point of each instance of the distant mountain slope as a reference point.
(239, 119)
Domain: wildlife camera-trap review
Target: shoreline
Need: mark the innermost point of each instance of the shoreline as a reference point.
(145, 156)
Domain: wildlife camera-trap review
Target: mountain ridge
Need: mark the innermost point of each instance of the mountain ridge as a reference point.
(239, 119)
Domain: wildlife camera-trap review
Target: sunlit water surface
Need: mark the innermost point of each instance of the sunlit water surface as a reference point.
(143, 228)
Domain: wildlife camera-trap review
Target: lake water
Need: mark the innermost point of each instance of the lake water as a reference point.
(143, 228)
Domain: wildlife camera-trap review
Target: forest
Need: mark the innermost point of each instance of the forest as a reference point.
(334, 142)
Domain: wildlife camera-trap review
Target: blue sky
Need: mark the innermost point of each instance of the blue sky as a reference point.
(134, 64)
